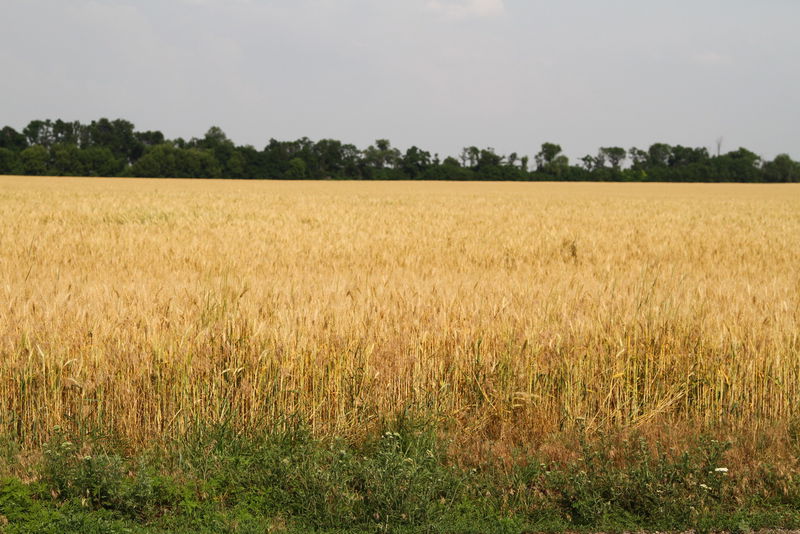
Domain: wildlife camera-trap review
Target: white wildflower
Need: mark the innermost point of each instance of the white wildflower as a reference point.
(721, 470)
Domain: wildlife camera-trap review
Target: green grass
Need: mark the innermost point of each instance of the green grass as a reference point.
(401, 480)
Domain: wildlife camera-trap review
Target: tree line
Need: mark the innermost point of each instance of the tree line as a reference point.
(115, 148)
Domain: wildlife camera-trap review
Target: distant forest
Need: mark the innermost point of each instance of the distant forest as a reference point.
(115, 148)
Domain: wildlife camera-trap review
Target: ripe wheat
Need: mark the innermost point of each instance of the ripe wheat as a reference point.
(513, 309)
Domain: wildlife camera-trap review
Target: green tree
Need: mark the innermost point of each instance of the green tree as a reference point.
(236, 166)
(470, 155)
(551, 161)
(415, 162)
(224, 151)
(381, 155)
(100, 161)
(659, 154)
(157, 162)
(67, 161)
(782, 169)
(149, 138)
(449, 169)
(638, 157)
(66, 133)
(329, 155)
(351, 161)
(39, 132)
(12, 139)
(197, 163)
(546, 155)
(741, 165)
(9, 161)
(682, 156)
(35, 160)
(297, 169)
(117, 135)
(615, 156)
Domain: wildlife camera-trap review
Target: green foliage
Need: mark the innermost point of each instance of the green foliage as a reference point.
(168, 160)
(12, 140)
(99, 161)
(9, 162)
(614, 155)
(297, 169)
(400, 480)
(113, 147)
(659, 491)
(782, 169)
(67, 161)
(35, 160)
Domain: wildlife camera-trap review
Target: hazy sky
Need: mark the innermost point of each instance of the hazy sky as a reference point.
(441, 74)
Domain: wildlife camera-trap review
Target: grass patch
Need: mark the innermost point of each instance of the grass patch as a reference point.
(399, 479)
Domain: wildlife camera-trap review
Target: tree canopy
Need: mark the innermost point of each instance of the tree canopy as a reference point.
(107, 147)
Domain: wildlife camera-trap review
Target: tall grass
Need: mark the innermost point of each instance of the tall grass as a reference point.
(514, 310)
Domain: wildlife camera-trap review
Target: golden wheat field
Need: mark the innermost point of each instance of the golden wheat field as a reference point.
(512, 310)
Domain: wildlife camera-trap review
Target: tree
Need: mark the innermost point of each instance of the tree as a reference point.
(149, 138)
(236, 166)
(253, 162)
(559, 166)
(35, 161)
(297, 169)
(739, 165)
(167, 161)
(67, 160)
(782, 169)
(470, 155)
(8, 161)
(39, 132)
(599, 161)
(113, 147)
(329, 155)
(639, 158)
(415, 162)
(100, 161)
(118, 136)
(66, 133)
(489, 163)
(224, 151)
(659, 154)
(351, 161)
(449, 169)
(551, 161)
(615, 155)
(682, 156)
(215, 137)
(158, 161)
(12, 139)
(546, 155)
(381, 156)
(451, 162)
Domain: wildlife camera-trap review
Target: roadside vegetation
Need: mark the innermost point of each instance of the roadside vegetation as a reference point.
(401, 479)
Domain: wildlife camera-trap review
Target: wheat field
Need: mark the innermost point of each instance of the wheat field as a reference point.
(512, 310)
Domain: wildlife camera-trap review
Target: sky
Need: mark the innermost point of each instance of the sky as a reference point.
(439, 74)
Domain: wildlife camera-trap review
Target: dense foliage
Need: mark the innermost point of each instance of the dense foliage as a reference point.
(114, 148)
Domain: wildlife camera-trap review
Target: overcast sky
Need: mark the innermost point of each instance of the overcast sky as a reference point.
(441, 74)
